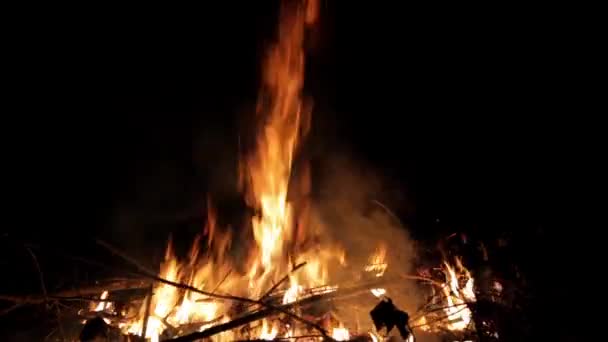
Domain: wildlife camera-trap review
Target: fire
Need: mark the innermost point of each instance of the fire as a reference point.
(266, 173)
(377, 262)
(456, 293)
(280, 229)
(291, 295)
(340, 333)
(268, 333)
(379, 292)
(282, 233)
(459, 315)
(102, 305)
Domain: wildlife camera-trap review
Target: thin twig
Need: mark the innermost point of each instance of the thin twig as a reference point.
(275, 286)
(40, 275)
(437, 320)
(144, 272)
(389, 212)
(123, 255)
(418, 315)
(222, 281)
(414, 277)
(284, 338)
(73, 294)
(45, 293)
(9, 309)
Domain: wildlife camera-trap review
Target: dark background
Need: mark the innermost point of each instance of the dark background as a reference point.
(470, 109)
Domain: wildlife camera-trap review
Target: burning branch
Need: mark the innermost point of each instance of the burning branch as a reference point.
(270, 310)
(143, 272)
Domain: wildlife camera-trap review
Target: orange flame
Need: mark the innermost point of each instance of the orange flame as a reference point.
(286, 120)
(264, 175)
(458, 316)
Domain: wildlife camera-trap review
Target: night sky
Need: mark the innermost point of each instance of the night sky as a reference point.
(108, 107)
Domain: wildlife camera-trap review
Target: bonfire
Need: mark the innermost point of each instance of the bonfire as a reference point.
(285, 288)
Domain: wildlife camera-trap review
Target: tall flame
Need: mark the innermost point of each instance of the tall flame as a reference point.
(266, 172)
(265, 176)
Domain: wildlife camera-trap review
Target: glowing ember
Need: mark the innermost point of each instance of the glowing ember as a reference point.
(340, 334)
(102, 305)
(378, 292)
(291, 295)
(268, 333)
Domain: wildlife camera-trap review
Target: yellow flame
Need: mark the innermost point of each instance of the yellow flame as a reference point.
(102, 305)
(459, 314)
(268, 333)
(281, 231)
(379, 292)
(291, 295)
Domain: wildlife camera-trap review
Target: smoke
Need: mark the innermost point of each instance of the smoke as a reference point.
(352, 204)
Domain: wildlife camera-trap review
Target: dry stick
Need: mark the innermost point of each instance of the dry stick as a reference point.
(221, 282)
(144, 272)
(284, 338)
(430, 280)
(263, 313)
(77, 293)
(45, 293)
(9, 309)
(388, 211)
(421, 314)
(275, 286)
(241, 299)
(124, 256)
(437, 320)
(243, 320)
(147, 312)
(40, 275)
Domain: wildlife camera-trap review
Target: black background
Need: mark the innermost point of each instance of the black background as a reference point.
(471, 109)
